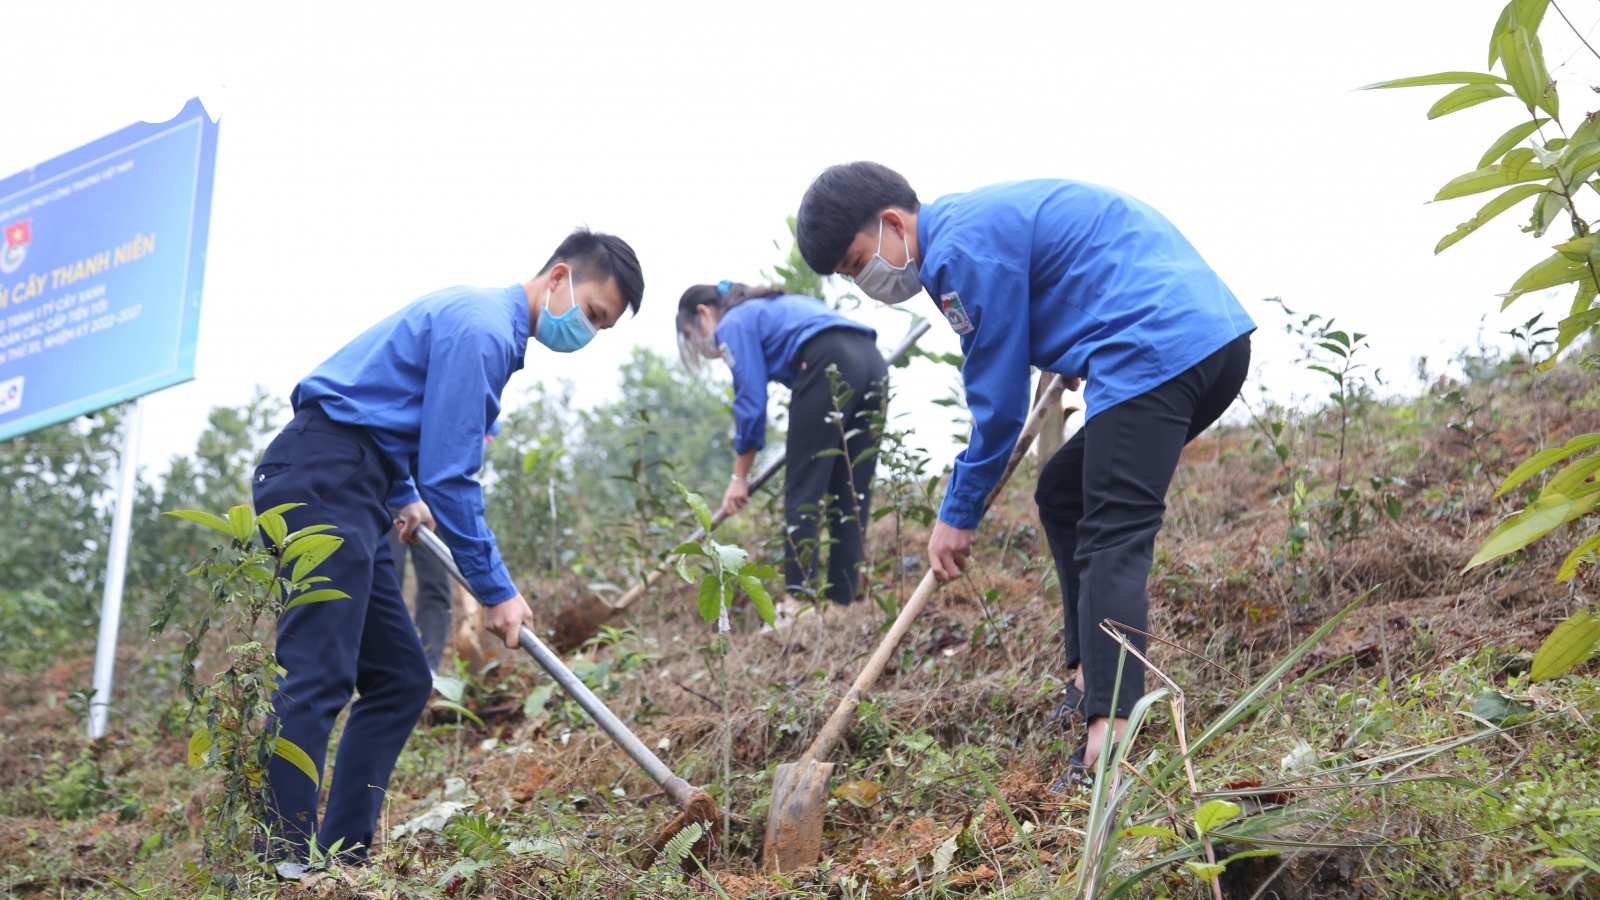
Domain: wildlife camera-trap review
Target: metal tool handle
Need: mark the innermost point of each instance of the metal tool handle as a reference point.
(676, 787)
(773, 466)
(838, 724)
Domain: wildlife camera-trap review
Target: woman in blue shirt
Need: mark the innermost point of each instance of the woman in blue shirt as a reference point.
(766, 335)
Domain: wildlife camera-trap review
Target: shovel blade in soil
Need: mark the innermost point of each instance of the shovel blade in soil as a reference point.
(794, 824)
(582, 621)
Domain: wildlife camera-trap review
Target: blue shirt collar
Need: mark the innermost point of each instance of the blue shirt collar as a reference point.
(521, 321)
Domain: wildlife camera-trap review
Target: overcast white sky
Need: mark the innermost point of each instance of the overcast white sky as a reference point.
(371, 154)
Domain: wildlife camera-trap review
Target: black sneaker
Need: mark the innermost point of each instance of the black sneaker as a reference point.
(1077, 774)
(1069, 709)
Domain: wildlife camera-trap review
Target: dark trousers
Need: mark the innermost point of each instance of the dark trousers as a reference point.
(364, 644)
(432, 609)
(1101, 500)
(814, 429)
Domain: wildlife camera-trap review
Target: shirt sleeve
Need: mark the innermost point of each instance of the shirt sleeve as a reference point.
(742, 342)
(457, 394)
(996, 374)
(403, 493)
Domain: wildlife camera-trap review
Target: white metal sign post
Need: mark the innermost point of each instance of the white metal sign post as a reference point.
(105, 652)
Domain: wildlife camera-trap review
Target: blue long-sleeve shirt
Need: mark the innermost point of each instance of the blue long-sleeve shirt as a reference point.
(426, 383)
(759, 340)
(1070, 277)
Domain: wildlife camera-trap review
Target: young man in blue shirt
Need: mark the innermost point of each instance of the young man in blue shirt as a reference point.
(396, 420)
(1071, 278)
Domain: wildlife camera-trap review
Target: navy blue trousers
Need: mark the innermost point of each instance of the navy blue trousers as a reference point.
(363, 645)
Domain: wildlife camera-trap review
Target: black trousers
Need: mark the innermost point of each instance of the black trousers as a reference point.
(363, 644)
(432, 613)
(1101, 501)
(814, 429)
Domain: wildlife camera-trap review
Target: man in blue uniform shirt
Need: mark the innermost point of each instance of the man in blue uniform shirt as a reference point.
(396, 419)
(1076, 279)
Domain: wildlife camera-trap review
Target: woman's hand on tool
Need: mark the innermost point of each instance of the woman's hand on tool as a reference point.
(505, 619)
(411, 515)
(736, 496)
(948, 549)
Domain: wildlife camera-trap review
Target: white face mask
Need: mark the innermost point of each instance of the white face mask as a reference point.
(886, 283)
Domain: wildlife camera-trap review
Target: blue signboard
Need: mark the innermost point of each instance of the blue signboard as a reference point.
(102, 252)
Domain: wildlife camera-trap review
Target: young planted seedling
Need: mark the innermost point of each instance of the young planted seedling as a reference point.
(725, 570)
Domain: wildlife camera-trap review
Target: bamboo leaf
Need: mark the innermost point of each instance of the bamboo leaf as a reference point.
(1437, 78)
(308, 531)
(1207, 872)
(1542, 516)
(1246, 854)
(1578, 249)
(1567, 481)
(1570, 328)
(1150, 831)
(1513, 136)
(1583, 554)
(299, 758)
(1553, 271)
(1495, 207)
(457, 708)
(1544, 459)
(1572, 642)
(210, 520)
(280, 509)
(321, 596)
(1465, 97)
(1489, 178)
(1523, 58)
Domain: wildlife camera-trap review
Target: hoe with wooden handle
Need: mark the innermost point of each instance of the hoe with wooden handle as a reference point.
(582, 620)
(800, 789)
(696, 804)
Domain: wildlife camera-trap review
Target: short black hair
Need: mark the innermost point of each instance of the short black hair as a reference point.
(841, 202)
(596, 257)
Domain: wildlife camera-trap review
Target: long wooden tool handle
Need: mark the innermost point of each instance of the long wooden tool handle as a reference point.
(838, 724)
(676, 787)
(773, 467)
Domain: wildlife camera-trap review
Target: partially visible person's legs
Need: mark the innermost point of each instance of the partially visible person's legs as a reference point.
(806, 478)
(1060, 499)
(864, 373)
(434, 590)
(432, 607)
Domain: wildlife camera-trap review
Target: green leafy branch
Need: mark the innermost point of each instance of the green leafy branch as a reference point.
(1549, 172)
(248, 585)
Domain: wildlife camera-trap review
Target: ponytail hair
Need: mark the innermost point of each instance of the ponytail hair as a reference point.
(720, 297)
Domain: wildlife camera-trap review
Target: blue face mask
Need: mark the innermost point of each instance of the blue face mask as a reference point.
(567, 332)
